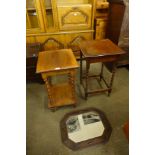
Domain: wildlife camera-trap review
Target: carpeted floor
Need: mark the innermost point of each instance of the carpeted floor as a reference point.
(43, 130)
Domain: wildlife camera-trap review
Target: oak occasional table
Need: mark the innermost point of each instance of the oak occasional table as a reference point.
(58, 62)
(95, 51)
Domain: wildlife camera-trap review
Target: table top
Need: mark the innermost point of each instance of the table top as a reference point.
(55, 60)
(97, 48)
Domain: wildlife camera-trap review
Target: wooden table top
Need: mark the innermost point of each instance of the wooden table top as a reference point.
(96, 48)
(55, 60)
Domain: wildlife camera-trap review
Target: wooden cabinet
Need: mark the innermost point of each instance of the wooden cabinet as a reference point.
(118, 27)
(116, 13)
(34, 21)
(74, 16)
(101, 19)
(49, 14)
(66, 21)
(100, 28)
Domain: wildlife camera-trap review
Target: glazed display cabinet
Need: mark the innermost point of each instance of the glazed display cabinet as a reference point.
(66, 21)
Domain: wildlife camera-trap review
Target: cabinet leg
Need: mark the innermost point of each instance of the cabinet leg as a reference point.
(81, 67)
(48, 87)
(87, 74)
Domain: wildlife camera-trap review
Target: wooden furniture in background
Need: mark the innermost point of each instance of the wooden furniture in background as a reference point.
(101, 19)
(118, 28)
(48, 44)
(32, 50)
(67, 21)
(95, 51)
(124, 35)
(116, 13)
(58, 62)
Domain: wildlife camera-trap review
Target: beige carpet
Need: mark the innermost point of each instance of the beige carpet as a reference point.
(43, 131)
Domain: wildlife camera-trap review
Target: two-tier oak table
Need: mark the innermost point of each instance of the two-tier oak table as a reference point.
(95, 51)
(58, 62)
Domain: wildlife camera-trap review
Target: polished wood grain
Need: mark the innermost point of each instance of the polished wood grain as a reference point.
(58, 62)
(75, 16)
(62, 95)
(97, 48)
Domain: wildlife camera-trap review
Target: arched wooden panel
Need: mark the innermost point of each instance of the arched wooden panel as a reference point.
(51, 43)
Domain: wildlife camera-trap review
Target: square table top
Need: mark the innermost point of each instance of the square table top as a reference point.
(97, 48)
(55, 60)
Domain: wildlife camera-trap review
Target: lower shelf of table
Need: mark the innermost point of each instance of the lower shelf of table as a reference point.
(62, 95)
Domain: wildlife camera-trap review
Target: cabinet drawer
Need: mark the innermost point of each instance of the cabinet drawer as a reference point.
(74, 17)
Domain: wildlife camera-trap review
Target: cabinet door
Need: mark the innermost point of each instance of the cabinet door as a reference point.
(73, 17)
(49, 15)
(34, 22)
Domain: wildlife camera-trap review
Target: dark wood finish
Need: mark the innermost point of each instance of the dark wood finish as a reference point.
(56, 60)
(53, 63)
(116, 13)
(32, 50)
(96, 48)
(104, 51)
(126, 130)
(117, 30)
(101, 139)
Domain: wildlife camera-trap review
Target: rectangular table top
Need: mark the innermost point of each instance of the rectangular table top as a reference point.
(55, 60)
(97, 48)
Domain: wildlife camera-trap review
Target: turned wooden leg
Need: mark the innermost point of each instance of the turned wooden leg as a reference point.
(101, 74)
(81, 67)
(48, 86)
(71, 78)
(87, 74)
(53, 109)
(112, 78)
